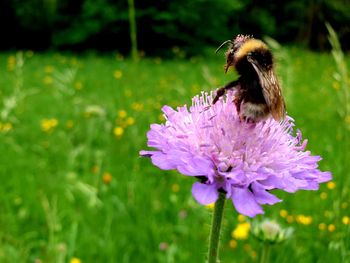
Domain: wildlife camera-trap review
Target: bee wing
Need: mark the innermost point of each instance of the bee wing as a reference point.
(271, 90)
(272, 94)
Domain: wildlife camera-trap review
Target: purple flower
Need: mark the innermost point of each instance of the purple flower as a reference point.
(244, 160)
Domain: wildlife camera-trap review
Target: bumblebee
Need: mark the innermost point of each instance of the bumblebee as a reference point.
(258, 90)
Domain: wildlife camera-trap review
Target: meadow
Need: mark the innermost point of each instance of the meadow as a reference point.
(74, 189)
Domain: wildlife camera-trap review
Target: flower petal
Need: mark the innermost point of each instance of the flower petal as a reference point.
(245, 203)
(196, 166)
(262, 196)
(204, 193)
(162, 161)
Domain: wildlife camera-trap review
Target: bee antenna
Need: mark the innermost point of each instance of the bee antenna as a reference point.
(227, 41)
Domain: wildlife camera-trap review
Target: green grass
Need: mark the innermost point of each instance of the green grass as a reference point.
(54, 204)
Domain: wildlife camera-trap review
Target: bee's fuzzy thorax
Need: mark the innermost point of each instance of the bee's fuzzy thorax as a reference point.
(249, 46)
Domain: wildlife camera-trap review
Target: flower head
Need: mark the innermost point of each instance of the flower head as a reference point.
(270, 231)
(241, 159)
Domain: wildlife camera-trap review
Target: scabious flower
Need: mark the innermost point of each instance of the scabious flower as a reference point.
(243, 160)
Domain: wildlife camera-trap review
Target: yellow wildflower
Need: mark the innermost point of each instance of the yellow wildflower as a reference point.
(107, 178)
(95, 169)
(118, 131)
(49, 69)
(241, 231)
(283, 213)
(175, 188)
(323, 195)
(48, 80)
(327, 213)
(69, 124)
(11, 63)
(336, 85)
(137, 106)
(290, 219)
(345, 220)
(47, 125)
(344, 205)
(331, 227)
(322, 226)
(130, 121)
(331, 185)
(241, 218)
(5, 127)
(210, 206)
(75, 260)
(78, 85)
(122, 114)
(233, 243)
(118, 74)
(304, 220)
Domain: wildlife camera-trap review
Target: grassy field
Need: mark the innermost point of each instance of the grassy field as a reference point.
(73, 188)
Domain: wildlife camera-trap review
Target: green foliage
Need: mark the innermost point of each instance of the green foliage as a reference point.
(58, 144)
(162, 25)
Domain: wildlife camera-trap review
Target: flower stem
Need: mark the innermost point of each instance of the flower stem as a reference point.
(265, 253)
(215, 229)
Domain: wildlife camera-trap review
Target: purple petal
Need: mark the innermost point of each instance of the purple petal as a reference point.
(262, 196)
(162, 161)
(324, 177)
(204, 193)
(197, 165)
(245, 202)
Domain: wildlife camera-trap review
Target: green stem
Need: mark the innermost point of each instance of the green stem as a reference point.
(265, 253)
(215, 229)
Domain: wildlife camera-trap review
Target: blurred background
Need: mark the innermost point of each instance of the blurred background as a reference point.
(81, 81)
(104, 24)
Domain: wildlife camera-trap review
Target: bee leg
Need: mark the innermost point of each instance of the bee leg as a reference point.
(222, 90)
(238, 101)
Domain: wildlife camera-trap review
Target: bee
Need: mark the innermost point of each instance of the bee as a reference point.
(258, 90)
